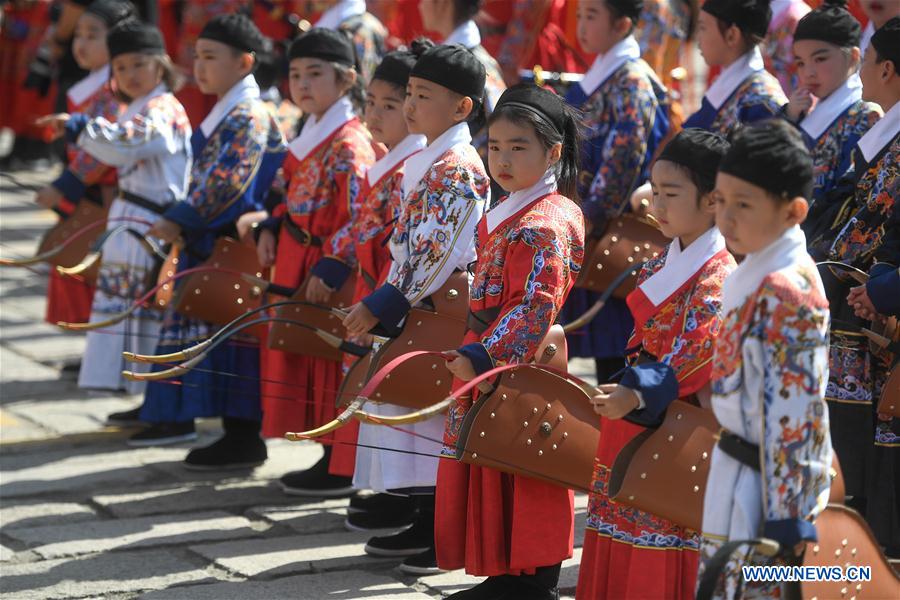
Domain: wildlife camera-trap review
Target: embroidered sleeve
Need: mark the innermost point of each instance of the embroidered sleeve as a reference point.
(118, 145)
(536, 281)
(622, 153)
(349, 173)
(789, 342)
(87, 169)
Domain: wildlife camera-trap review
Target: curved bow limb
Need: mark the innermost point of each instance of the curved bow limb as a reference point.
(96, 252)
(408, 418)
(45, 256)
(595, 308)
(858, 275)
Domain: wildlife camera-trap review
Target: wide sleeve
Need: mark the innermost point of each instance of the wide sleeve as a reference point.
(437, 244)
(795, 451)
(118, 145)
(536, 279)
(232, 175)
(340, 247)
(622, 155)
(687, 365)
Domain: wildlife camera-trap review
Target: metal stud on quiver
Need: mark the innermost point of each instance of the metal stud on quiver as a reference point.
(217, 297)
(627, 241)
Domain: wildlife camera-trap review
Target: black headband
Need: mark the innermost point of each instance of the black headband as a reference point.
(830, 23)
(771, 155)
(395, 67)
(545, 103)
(454, 67)
(234, 30)
(134, 36)
(324, 44)
(699, 151)
(749, 15)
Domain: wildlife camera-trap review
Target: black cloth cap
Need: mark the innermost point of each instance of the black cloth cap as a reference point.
(111, 12)
(234, 30)
(536, 99)
(830, 23)
(324, 44)
(886, 41)
(699, 151)
(748, 15)
(771, 155)
(134, 36)
(395, 67)
(454, 67)
(627, 8)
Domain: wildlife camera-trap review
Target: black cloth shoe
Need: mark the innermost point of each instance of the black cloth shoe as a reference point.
(317, 482)
(381, 503)
(126, 418)
(163, 434)
(492, 588)
(424, 563)
(368, 521)
(540, 586)
(417, 539)
(240, 448)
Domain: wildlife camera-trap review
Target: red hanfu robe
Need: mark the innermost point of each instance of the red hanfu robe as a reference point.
(628, 553)
(69, 298)
(490, 522)
(323, 193)
(371, 231)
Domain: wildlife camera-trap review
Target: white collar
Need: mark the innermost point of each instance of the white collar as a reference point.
(607, 64)
(681, 265)
(340, 12)
(787, 250)
(88, 86)
(315, 132)
(733, 76)
(138, 105)
(866, 37)
(830, 108)
(245, 89)
(466, 35)
(519, 200)
(881, 133)
(418, 165)
(407, 147)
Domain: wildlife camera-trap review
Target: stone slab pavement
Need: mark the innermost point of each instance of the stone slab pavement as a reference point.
(83, 516)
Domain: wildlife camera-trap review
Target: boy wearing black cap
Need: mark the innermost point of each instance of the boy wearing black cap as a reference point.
(237, 150)
(728, 34)
(769, 473)
(857, 375)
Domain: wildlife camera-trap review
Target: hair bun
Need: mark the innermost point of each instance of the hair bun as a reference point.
(420, 45)
(835, 4)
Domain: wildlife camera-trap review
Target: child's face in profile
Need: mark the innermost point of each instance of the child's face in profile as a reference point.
(676, 204)
(710, 41)
(136, 74)
(217, 66)
(516, 157)
(89, 43)
(315, 85)
(749, 217)
(384, 113)
(821, 67)
(596, 27)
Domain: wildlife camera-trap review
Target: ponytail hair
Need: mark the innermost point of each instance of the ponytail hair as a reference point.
(571, 138)
(477, 119)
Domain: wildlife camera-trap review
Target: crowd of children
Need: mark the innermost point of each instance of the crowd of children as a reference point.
(415, 164)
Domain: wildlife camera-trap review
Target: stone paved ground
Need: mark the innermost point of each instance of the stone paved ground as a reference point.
(83, 516)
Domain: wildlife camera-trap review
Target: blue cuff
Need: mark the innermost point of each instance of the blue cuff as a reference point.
(332, 271)
(478, 354)
(883, 289)
(790, 532)
(186, 216)
(74, 126)
(658, 386)
(70, 186)
(273, 224)
(389, 305)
